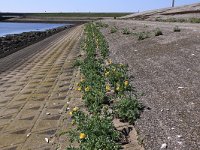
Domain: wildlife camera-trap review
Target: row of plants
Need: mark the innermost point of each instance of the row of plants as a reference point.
(107, 93)
(182, 20)
(144, 34)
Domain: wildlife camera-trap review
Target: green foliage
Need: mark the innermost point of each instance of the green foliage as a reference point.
(177, 29)
(194, 20)
(126, 31)
(101, 25)
(142, 35)
(96, 131)
(158, 32)
(77, 63)
(128, 109)
(113, 30)
(99, 132)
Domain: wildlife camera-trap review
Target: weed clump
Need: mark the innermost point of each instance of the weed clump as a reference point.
(142, 35)
(177, 29)
(113, 30)
(126, 31)
(158, 32)
(128, 109)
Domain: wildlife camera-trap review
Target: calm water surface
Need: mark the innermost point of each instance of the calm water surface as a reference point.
(16, 28)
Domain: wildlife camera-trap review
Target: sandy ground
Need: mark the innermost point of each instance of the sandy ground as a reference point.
(34, 83)
(166, 69)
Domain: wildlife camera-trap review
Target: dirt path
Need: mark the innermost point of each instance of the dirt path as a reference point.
(34, 84)
(166, 69)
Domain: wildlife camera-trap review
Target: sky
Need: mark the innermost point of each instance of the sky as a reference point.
(87, 5)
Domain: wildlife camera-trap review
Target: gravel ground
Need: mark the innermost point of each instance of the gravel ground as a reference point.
(166, 69)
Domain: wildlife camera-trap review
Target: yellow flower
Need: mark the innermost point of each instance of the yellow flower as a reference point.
(73, 122)
(82, 135)
(118, 87)
(108, 88)
(107, 73)
(79, 88)
(87, 89)
(75, 108)
(126, 83)
(71, 113)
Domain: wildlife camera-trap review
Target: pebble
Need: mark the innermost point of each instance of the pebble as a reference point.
(28, 134)
(163, 146)
(192, 54)
(179, 136)
(47, 113)
(47, 140)
(180, 87)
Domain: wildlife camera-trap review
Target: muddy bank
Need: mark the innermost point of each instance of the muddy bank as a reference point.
(12, 43)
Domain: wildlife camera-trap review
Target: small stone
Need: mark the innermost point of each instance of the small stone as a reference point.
(47, 140)
(179, 136)
(192, 54)
(161, 110)
(28, 134)
(180, 87)
(180, 143)
(68, 108)
(68, 102)
(172, 128)
(47, 113)
(163, 146)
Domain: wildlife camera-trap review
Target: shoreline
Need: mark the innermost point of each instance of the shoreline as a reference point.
(12, 43)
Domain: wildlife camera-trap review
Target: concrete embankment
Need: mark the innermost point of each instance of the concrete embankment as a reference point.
(12, 43)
